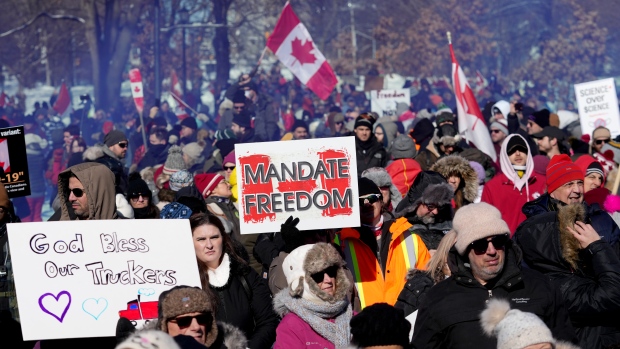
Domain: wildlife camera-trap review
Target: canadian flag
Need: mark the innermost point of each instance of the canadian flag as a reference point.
(471, 122)
(136, 89)
(63, 102)
(292, 44)
(177, 92)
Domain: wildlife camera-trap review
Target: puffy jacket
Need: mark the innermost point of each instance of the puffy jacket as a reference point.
(369, 155)
(414, 292)
(379, 279)
(601, 221)
(249, 308)
(501, 193)
(403, 172)
(156, 155)
(589, 278)
(293, 332)
(449, 317)
(103, 155)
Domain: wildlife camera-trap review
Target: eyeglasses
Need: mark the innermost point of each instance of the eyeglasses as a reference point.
(601, 141)
(186, 321)
(331, 272)
(498, 241)
(78, 192)
(229, 168)
(431, 207)
(370, 199)
(122, 145)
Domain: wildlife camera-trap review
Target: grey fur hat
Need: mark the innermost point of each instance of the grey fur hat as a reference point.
(439, 194)
(382, 179)
(403, 148)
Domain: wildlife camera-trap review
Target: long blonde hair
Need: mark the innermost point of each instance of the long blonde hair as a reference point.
(440, 258)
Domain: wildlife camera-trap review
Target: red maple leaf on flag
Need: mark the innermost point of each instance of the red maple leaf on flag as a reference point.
(302, 52)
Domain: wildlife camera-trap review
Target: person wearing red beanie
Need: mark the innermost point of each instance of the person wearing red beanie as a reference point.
(564, 180)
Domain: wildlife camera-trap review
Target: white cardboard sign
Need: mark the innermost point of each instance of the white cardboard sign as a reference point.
(75, 279)
(314, 179)
(598, 106)
(385, 102)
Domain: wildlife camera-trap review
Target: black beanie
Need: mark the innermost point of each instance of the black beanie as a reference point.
(365, 186)
(138, 186)
(114, 137)
(243, 119)
(422, 131)
(363, 121)
(239, 97)
(380, 325)
(541, 117)
(299, 123)
(225, 146)
(516, 143)
(190, 122)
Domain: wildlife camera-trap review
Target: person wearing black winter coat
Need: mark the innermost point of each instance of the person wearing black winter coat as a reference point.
(369, 152)
(244, 297)
(588, 275)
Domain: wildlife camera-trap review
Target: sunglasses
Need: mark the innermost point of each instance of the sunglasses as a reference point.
(77, 192)
(122, 145)
(229, 168)
(370, 199)
(495, 131)
(186, 321)
(339, 123)
(136, 196)
(601, 141)
(498, 241)
(331, 272)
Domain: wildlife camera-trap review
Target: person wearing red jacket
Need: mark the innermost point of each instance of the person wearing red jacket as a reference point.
(404, 168)
(517, 184)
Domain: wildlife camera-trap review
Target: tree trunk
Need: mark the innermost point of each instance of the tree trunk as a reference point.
(221, 44)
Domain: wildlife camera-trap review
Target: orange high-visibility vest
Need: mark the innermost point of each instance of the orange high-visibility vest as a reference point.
(406, 251)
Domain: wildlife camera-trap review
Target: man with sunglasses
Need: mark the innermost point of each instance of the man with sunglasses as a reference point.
(111, 154)
(485, 265)
(600, 137)
(380, 253)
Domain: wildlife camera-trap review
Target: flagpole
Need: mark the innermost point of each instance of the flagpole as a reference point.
(449, 38)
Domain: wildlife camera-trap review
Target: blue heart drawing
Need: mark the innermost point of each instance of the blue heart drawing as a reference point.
(95, 307)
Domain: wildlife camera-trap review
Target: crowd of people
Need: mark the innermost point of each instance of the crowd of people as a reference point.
(455, 249)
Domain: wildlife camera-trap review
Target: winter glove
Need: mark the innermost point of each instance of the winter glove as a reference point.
(290, 234)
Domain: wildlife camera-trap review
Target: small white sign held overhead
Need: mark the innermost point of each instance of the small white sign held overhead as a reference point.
(598, 106)
(75, 279)
(385, 102)
(314, 179)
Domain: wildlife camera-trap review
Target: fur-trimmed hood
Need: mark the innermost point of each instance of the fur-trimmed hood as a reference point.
(306, 260)
(227, 334)
(567, 216)
(440, 194)
(455, 165)
(382, 179)
(446, 135)
(97, 151)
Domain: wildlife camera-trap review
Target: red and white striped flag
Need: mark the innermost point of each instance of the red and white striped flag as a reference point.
(292, 44)
(177, 94)
(471, 122)
(136, 89)
(63, 102)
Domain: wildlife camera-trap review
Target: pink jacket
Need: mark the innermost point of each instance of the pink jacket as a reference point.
(293, 332)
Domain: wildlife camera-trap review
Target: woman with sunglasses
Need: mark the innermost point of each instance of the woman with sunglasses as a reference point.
(191, 312)
(244, 299)
(314, 307)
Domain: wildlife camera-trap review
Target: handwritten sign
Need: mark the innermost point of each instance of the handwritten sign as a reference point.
(14, 162)
(598, 106)
(385, 102)
(315, 180)
(73, 279)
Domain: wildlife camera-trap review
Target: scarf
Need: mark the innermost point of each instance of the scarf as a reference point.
(317, 314)
(510, 172)
(365, 145)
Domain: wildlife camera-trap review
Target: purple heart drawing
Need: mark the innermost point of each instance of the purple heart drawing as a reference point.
(56, 305)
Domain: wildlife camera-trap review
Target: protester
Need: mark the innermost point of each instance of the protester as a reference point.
(593, 174)
(516, 184)
(551, 141)
(191, 312)
(404, 168)
(35, 147)
(314, 307)
(516, 329)
(390, 195)
(380, 326)
(244, 298)
(140, 198)
(582, 264)
(445, 141)
(493, 270)
(78, 146)
(461, 177)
